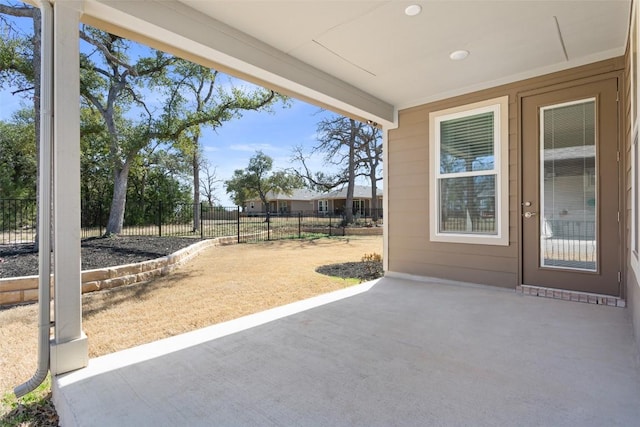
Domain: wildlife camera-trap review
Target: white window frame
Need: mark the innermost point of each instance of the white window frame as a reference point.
(323, 205)
(500, 108)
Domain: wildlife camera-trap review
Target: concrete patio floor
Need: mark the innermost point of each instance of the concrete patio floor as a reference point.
(402, 353)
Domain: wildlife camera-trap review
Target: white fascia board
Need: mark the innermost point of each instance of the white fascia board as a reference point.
(174, 27)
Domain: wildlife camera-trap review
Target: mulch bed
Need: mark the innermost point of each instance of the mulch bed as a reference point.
(22, 260)
(364, 271)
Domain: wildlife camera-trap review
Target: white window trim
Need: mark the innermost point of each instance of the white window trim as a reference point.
(500, 106)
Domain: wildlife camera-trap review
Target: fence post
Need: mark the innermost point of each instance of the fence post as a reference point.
(201, 223)
(15, 216)
(299, 225)
(268, 227)
(330, 225)
(100, 218)
(160, 218)
(238, 217)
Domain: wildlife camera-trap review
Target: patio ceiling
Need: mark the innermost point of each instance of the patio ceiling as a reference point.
(367, 57)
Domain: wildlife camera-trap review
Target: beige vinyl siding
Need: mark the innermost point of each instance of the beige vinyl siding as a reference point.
(628, 175)
(632, 294)
(301, 205)
(410, 250)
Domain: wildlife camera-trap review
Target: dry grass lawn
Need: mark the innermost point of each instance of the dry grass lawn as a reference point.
(220, 284)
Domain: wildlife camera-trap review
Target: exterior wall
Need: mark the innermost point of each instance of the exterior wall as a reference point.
(301, 206)
(337, 205)
(292, 206)
(410, 250)
(257, 207)
(632, 283)
(633, 303)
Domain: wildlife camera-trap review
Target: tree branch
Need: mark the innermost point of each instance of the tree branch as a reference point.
(20, 12)
(25, 89)
(108, 55)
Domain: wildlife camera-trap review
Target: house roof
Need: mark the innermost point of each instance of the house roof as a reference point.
(359, 192)
(368, 58)
(297, 194)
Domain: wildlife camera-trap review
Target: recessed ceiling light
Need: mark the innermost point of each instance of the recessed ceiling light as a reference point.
(459, 55)
(413, 10)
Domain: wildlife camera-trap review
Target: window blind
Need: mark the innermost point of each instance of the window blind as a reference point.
(467, 144)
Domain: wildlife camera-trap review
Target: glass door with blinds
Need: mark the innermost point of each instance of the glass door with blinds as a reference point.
(568, 197)
(570, 226)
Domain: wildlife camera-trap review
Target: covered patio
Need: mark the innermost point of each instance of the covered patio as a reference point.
(391, 352)
(412, 350)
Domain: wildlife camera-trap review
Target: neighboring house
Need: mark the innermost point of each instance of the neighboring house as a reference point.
(309, 201)
(300, 200)
(334, 202)
(471, 176)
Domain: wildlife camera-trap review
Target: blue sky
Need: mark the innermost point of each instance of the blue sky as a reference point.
(274, 134)
(231, 146)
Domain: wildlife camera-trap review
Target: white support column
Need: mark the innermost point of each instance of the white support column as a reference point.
(69, 350)
(385, 198)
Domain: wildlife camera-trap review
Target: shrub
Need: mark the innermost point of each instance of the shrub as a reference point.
(372, 264)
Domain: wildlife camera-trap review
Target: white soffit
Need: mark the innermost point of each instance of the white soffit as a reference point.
(405, 61)
(384, 57)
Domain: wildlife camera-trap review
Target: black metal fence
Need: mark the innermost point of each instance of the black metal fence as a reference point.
(17, 221)
(158, 219)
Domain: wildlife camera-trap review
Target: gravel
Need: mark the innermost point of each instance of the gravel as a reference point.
(22, 260)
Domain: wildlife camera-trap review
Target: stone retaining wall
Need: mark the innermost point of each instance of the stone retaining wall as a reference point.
(20, 290)
(364, 231)
(346, 231)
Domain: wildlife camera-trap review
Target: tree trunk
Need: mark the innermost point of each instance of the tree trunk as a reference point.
(196, 186)
(265, 203)
(119, 200)
(351, 173)
(374, 196)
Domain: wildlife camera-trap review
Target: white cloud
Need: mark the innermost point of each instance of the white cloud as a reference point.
(252, 147)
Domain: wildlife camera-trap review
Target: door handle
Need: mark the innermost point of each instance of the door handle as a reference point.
(529, 214)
